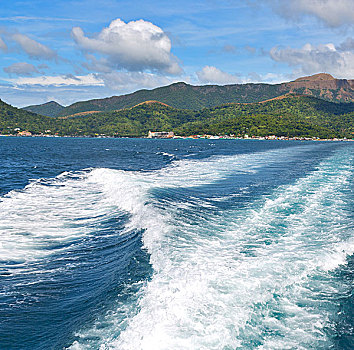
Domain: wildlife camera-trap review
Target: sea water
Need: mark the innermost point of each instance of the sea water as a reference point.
(176, 244)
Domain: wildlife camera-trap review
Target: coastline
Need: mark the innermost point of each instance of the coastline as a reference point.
(191, 137)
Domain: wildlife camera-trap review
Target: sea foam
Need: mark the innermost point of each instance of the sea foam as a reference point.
(247, 278)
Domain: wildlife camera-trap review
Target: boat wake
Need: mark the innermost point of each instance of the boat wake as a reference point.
(202, 254)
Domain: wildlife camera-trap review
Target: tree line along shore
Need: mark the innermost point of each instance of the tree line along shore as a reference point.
(290, 117)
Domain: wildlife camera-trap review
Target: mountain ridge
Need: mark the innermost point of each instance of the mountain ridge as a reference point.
(290, 116)
(50, 109)
(196, 97)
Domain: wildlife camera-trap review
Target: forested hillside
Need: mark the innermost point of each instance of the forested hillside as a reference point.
(50, 109)
(185, 96)
(290, 115)
(12, 118)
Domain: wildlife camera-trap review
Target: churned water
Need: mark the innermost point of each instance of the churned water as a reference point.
(176, 244)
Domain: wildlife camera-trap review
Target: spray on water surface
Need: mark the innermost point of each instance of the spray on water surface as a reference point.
(220, 246)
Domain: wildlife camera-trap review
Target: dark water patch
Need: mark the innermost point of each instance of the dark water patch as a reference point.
(30, 158)
(239, 188)
(342, 330)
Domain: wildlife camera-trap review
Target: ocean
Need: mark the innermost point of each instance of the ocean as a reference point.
(136, 244)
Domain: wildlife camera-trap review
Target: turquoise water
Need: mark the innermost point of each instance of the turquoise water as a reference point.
(175, 244)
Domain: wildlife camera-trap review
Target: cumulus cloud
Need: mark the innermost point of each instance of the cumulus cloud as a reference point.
(25, 95)
(133, 80)
(213, 75)
(67, 89)
(3, 46)
(270, 78)
(134, 46)
(334, 13)
(33, 48)
(314, 59)
(101, 65)
(66, 80)
(21, 68)
(347, 45)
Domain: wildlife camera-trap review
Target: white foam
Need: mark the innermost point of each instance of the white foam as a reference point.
(217, 283)
(166, 154)
(51, 212)
(218, 290)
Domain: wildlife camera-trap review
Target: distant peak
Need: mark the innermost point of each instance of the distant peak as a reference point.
(49, 103)
(317, 77)
(180, 84)
(151, 102)
(52, 103)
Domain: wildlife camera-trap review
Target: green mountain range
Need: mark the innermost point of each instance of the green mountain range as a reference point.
(50, 109)
(290, 115)
(185, 96)
(13, 119)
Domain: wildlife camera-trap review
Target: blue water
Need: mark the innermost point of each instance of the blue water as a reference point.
(176, 244)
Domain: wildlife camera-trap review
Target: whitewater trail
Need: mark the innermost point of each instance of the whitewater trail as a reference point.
(255, 284)
(258, 277)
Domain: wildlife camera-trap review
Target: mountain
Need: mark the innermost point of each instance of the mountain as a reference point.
(12, 119)
(287, 115)
(180, 95)
(185, 96)
(50, 109)
(322, 86)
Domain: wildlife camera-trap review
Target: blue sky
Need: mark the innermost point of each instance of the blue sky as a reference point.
(75, 50)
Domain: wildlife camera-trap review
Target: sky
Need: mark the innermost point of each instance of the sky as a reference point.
(72, 50)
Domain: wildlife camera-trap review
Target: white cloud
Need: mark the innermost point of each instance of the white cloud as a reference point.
(101, 65)
(134, 46)
(3, 46)
(213, 75)
(334, 13)
(25, 95)
(347, 45)
(269, 78)
(67, 80)
(69, 89)
(132, 81)
(21, 68)
(315, 59)
(33, 48)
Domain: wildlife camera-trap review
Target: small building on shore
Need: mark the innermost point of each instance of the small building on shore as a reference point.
(24, 133)
(161, 134)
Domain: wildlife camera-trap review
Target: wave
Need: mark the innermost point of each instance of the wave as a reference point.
(249, 278)
(67, 252)
(254, 280)
(223, 276)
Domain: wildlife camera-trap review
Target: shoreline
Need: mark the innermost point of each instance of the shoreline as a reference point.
(194, 137)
